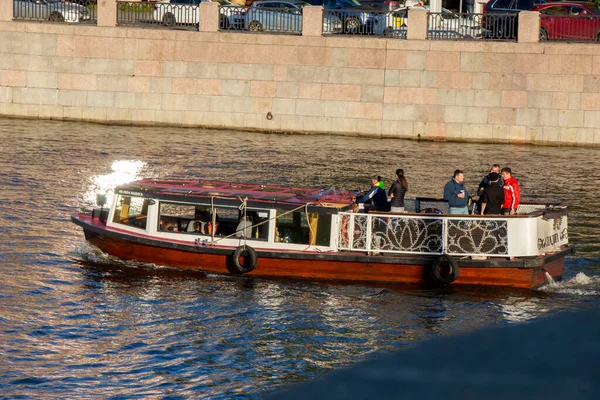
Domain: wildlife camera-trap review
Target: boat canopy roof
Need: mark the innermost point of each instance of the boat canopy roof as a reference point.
(224, 193)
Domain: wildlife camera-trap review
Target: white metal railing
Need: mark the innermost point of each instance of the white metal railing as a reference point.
(499, 236)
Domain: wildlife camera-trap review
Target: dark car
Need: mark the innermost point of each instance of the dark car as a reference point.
(501, 17)
(357, 17)
(569, 21)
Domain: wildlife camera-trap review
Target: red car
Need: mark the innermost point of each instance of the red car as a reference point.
(569, 20)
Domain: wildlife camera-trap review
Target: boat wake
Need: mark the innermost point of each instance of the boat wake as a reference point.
(90, 254)
(580, 285)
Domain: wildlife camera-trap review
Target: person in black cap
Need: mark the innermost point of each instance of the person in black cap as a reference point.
(492, 197)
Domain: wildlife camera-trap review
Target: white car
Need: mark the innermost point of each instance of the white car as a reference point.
(186, 12)
(51, 10)
(446, 24)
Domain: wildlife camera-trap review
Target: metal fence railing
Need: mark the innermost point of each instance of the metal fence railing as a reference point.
(136, 13)
(77, 11)
(232, 17)
(430, 232)
(173, 16)
(454, 26)
(572, 28)
(281, 20)
(500, 26)
(357, 22)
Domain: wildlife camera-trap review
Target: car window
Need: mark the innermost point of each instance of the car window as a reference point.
(447, 14)
(555, 11)
(291, 5)
(522, 5)
(578, 11)
(594, 9)
(502, 4)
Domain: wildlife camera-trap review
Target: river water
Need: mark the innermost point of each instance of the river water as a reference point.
(77, 323)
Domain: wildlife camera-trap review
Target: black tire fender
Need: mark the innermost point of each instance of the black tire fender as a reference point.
(249, 259)
(445, 270)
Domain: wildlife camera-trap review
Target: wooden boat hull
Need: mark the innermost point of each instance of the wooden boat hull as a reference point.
(347, 266)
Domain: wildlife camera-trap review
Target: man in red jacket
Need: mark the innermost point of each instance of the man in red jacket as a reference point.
(512, 193)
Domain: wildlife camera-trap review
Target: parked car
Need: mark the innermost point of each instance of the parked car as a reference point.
(570, 20)
(357, 17)
(51, 10)
(446, 25)
(231, 16)
(283, 16)
(185, 12)
(501, 17)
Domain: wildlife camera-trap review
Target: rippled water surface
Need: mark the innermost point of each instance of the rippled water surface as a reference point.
(77, 323)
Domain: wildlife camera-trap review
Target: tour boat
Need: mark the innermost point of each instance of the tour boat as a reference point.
(279, 231)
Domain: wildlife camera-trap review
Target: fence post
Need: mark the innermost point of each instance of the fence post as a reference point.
(529, 27)
(6, 10)
(312, 21)
(107, 12)
(209, 16)
(417, 28)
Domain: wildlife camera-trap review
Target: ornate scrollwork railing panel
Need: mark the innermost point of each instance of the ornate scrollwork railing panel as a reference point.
(471, 236)
(398, 234)
(407, 234)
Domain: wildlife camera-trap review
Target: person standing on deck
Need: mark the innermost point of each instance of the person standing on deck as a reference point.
(512, 193)
(455, 193)
(485, 182)
(398, 191)
(376, 196)
(493, 197)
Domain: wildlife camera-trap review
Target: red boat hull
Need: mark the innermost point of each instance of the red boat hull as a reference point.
(347, 266)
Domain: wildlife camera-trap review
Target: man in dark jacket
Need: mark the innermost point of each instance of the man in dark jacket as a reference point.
(375, 198)
(455, 193)
(485, 182)
(492, 197)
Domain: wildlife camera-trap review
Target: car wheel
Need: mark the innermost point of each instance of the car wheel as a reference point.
(543, 35)
(351, 25)
(255, 26)
(598, 36)
(169, 19)
(387, 32)
(56, 17)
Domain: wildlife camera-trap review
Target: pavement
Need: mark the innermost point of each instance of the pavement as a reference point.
(553, 358)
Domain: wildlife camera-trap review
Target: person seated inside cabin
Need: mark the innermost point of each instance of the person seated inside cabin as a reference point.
(199, 227)
(199, 223)
(244, 227)
(168, 225)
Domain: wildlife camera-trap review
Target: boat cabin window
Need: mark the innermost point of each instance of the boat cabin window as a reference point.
(301, 228)
(184, 218)
(131, 211)
(196, 219)
(230, 222)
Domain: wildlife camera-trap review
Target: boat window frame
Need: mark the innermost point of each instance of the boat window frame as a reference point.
(208, 230)
(145, 207)
(283, 235)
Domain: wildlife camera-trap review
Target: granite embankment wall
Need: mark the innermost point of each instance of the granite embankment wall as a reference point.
(541, 93)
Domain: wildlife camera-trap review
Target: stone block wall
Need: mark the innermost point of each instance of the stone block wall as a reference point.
(541, 93)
